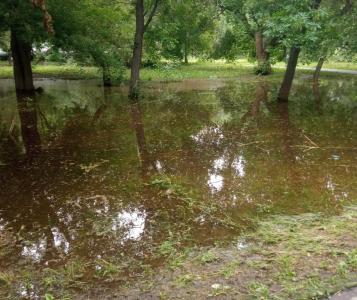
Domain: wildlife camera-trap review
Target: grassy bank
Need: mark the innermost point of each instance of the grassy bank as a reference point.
(309, 256)
(167, 72)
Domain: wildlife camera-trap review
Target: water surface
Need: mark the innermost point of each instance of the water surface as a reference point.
(86, 176)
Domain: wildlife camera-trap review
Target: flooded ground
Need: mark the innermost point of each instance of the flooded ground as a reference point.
(92, 185)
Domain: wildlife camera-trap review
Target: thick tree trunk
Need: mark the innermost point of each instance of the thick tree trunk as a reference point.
(318, 70)
(107, 81)
(264, 67)
(137, 51)
(21, 55)
(28, 118)
(289, 74)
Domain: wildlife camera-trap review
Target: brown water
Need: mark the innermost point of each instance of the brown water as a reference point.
(88, 179)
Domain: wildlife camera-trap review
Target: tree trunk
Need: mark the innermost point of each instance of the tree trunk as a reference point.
(318, 70)
(9, 58)
(107, 81)
(264, 67)
(21, 55)
(137, 51)
(147, 163)
(317, 96)
(186, 50)
(186, 55)
(289, 74)
(28, 118)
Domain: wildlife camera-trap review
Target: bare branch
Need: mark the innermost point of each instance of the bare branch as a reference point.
(152, 14)
(47, 18)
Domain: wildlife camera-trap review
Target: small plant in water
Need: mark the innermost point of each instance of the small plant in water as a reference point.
(219, 290)
(208, 257)
(259, 291)
(229, 270)
(184, 280)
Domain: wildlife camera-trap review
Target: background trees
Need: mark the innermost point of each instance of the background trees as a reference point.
(110, 33)
(182, 29)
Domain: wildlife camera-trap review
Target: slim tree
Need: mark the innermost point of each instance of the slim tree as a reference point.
(141, 26)
(254, 16)
(289, 75)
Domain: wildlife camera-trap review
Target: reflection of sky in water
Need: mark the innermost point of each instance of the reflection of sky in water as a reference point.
(133, 222)
(2, 225)
(35, 251)
(238, 166)
(330, 185)
(59, 240)
(208, 133)
(215, 182)
(158, 165)
(27, 291)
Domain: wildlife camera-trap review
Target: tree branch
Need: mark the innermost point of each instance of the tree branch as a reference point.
(151, 15)
(47, 18)
(347, 8)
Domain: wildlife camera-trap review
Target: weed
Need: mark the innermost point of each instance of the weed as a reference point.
(184, 280)
(208, 257)
(7, 278)
(229, 270)
(259, 291)
(286, 267)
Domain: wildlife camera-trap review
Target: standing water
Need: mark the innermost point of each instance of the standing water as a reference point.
(91, 184)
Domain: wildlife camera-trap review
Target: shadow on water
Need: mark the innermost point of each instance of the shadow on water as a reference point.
(90, 180)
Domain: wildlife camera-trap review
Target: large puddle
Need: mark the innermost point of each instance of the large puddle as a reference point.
(87, 177)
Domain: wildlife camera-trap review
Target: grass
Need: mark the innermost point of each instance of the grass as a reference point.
(327, 65)
(309, 256)
(165, 72)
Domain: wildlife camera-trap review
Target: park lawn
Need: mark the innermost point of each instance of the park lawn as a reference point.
(165, 72)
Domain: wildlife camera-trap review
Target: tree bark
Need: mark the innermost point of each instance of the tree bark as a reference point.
(318, 70)
(28, 117)
(107, 81)
(9, 58)
(147, 163)
(21, 55)
(137, 51)
(264, 67)
(186, 55)
(186, 50)
(285, 88)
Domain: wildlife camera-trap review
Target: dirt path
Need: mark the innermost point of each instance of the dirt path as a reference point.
(340, 71)
(349, 72)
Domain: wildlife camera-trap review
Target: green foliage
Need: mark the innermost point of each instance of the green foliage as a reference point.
(263, 68)
(96, 33)
(208, 257)
(181, 29)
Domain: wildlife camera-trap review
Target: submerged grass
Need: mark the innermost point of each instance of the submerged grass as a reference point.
(308, 256)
